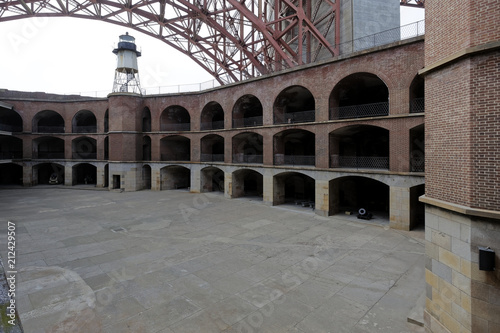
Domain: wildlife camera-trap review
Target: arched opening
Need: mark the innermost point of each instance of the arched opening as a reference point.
(146, 148)
(248, 147)
(359, 147)
(106, 148)
(247, 112)
(417, 208)
(294, 188)
(146, 120)
(359, 95)
(146, 177)
(175, 118)
(84, 122)
(84, 148)
(84, 174)
(48, 147)
(212, 117)
(175, 177)
(175, 148)
(294, 147)
(352, 193)
(212, 148)
(48, 121)
(294, 105)
(212, 180)
(10, 148)
(248, 183)
(11, 174)
(417, 149)
(48, 173)
(417, 95)
(10, 120)
(106, 121)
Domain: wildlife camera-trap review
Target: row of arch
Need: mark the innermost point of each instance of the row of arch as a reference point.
(356, 146)
(356, 96)
(346, 193)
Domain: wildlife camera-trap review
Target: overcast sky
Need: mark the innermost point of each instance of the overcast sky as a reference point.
(69, 55)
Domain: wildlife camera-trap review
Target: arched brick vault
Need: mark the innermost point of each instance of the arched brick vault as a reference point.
(233, 40)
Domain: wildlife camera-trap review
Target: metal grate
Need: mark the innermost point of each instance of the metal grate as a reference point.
(360, 111)
(417, 105)
(212, 125)
(247, 122)
(175, 157)
(281, 159)
(296, 117)
(212, 157)
(176, 127)
(241, 158)
(360, 162)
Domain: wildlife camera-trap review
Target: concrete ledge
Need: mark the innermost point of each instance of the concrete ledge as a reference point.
(488, 47)
(491, 214)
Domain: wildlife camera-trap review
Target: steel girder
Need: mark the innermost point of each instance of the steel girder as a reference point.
(413, 3)
(231, 39)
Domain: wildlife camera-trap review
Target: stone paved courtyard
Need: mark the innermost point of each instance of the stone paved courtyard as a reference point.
(173, 261)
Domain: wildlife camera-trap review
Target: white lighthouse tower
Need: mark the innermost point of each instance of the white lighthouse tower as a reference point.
(127, 71)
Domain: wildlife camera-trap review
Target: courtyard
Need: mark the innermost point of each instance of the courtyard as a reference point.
(93, 260)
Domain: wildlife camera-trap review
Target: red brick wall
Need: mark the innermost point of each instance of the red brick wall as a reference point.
(396, 67)
(462, 104)
(447, 134)
(485, 23)
(446, 28)
(485, 130)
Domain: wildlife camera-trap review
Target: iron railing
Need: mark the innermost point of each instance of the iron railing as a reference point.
(417, 105)
(360, 111)
(359, 162)
(48, 155)
(176, 157)
(11, 155)
(417, 164)
(85, 129)
(242, 158)
(247, 122)
(84, 156)
(212, 125)
(212, 157)
(176, 127)
(49, 129)
(296, 117)
(281, 159)
(10, 128)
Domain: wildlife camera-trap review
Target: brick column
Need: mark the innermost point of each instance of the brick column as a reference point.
(100, 176)
(268, 189)
(155, 179)
(399, 207)
(322, 198)
(27, 174)
(68, 175)
(195, 180)
(228, 185)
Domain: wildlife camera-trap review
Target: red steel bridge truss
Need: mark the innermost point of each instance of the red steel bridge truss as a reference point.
(233, 40)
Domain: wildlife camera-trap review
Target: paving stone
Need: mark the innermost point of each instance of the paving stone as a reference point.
(236, 266)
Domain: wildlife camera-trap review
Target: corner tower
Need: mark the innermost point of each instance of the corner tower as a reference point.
(462, 190)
